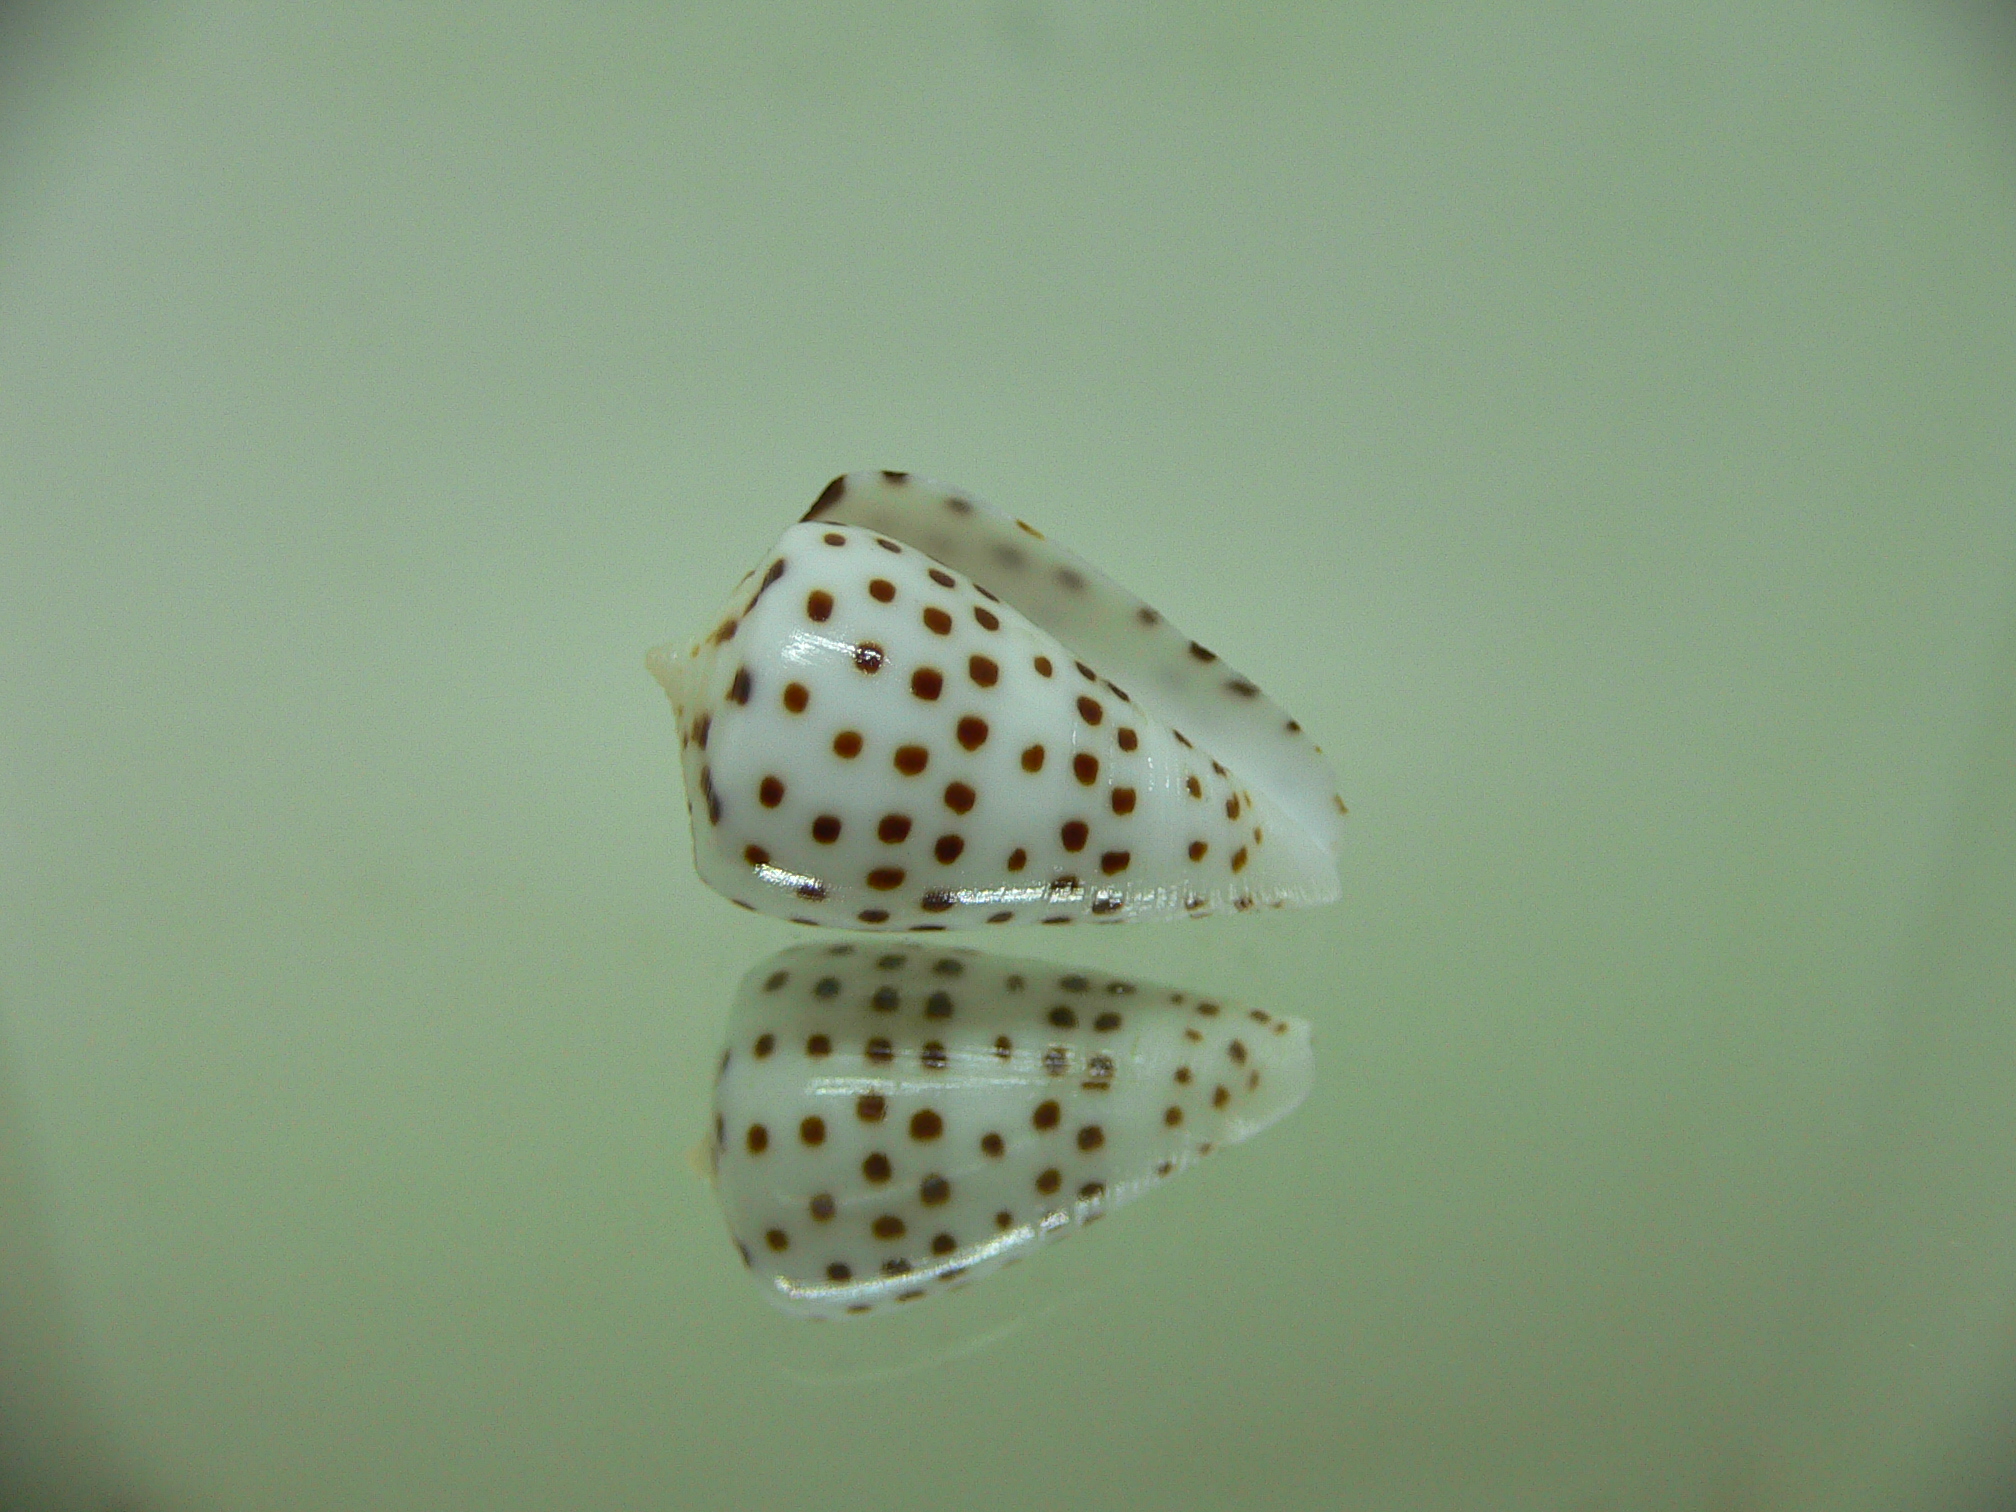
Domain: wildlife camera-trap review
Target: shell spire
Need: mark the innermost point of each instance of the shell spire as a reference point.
(918, 713)
(891, 1122)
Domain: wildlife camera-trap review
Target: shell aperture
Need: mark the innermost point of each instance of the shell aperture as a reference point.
(918, 713)
(891, 1122)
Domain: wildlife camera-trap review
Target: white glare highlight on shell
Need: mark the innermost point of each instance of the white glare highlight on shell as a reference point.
(917, 713)
(892, 1121)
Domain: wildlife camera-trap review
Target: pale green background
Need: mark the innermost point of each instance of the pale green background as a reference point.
(1594, 421)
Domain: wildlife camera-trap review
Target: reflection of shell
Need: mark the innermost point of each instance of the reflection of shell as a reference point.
(891, 1120)
(917, 713)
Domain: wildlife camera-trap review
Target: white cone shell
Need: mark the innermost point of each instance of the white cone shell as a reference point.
(891, 1121)
(873, 738)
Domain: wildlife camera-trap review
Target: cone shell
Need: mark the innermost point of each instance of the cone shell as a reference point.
(891, 1122)
(916, 713)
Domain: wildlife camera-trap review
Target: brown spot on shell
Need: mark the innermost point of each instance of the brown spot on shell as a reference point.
(869, 657)
(1123, 800)
(871, 1107)
(984, 670)
(926, 1125)
(1042, 666)
(770, 792)
(819, 606)
(755, 855)
(1085, 766)
(812, 1130)
(1017, 859)
(847, 744)
(911, 759)
(927, 683)
(1074, 834)
(1127, 738)
(828, 497)
(1032, 758)
(947, 849)
(937, 621)
(1114, 862)
(757, 1139)
(826, 829)
(959, 797)
(796, 696)
(1090, 711)
(987, 618)
(881, 590)
(1201, 654)
(888, 1226)
(886, 878)
(893, 829)
(972, 732)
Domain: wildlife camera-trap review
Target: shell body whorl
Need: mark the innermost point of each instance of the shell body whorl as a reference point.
(917, 713)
